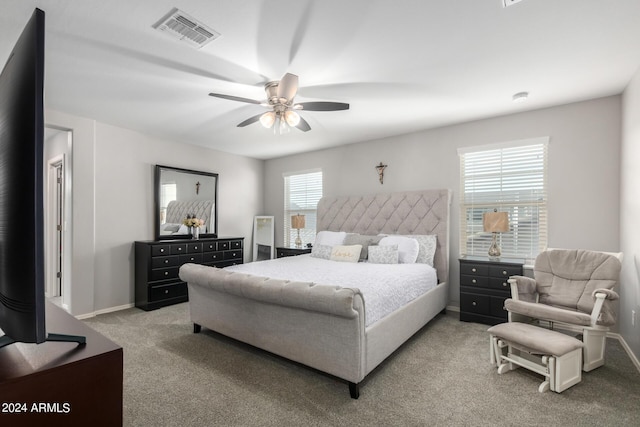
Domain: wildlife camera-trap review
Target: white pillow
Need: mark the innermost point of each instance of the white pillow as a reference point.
(349, 253)
(407, 248)
(330, 238)
(383, 254)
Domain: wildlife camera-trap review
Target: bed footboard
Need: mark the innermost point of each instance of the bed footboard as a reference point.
(256, 311)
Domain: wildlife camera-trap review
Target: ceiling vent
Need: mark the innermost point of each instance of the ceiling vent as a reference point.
(183, 27)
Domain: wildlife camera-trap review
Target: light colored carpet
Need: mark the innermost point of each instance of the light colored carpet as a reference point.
(440, 377)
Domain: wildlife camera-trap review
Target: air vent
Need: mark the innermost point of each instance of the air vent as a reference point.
(183, 27)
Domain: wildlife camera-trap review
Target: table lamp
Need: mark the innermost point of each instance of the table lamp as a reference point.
(495, 222)
(297, 222)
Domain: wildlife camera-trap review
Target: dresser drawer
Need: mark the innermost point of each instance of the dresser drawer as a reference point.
(165, 261)
(501, 284)
(192, 258)
(195, 247)
(210, 246)
(224, 246)
(157, 250)
(178, 248)
(227, 255)
(161, 292)
(164, 274)
(209, 257)
(236, 244)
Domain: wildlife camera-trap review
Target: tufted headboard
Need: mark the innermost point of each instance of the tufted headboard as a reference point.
(411, 212)
(178, 211)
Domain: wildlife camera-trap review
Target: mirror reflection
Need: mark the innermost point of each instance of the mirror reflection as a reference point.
(182, 194)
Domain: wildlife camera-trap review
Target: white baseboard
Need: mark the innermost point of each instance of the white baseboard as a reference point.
(104, 311)
(626, 347)
(453, 308)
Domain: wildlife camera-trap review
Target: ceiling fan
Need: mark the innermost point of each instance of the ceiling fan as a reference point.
(283, 111)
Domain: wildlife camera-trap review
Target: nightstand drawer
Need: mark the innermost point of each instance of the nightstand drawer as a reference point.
(474, 269)
(474, 281)
(504, 271)
(473, 303)
(502, 284)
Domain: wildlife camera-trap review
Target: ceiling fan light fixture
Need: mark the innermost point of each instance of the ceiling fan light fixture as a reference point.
(292, 118)
(268, 119)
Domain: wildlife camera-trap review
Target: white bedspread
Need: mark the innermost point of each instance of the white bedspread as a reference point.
(385, 287)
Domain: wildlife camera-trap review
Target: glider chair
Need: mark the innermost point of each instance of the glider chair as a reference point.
(572, 290)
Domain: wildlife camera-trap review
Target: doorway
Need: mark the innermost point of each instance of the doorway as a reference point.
(57, 235)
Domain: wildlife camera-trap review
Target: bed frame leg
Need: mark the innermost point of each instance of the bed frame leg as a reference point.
(354, 390)
(196, 328)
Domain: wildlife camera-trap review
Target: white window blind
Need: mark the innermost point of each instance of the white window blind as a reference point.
(302, 191)
(512, 178)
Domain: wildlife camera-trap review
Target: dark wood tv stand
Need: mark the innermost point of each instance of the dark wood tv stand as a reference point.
(62, 383)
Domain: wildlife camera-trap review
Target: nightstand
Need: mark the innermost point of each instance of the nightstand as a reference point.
(282, 252)
(484, 287)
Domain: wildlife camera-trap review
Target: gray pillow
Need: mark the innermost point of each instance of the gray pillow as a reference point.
(321, 251)
(364, 240)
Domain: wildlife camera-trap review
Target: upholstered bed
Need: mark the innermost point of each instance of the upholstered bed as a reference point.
(325, 325)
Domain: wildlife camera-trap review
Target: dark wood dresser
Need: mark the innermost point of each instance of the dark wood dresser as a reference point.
(62, 383)
(484, 287)
(158, 261)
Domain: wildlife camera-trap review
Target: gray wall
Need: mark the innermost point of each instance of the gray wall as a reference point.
(584, 159)
(630, 217)
(112, 192)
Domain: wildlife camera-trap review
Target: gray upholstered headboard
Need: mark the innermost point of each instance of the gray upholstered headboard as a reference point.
(411, 212)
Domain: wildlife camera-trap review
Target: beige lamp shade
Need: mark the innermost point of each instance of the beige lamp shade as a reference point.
(297, 221)
(495, 222)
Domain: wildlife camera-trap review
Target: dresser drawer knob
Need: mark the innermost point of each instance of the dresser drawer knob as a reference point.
(474, 281)
(161, 249)
(504, 272)
(166, 291)
(473, 304)
(505, 284)
(166, 261)
(166, 273)
(473, 270)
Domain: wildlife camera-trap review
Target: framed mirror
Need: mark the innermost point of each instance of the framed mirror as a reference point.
(180, 193)
(263, 237)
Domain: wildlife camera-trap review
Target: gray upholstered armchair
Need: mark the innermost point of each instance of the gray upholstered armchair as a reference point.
(572, 290)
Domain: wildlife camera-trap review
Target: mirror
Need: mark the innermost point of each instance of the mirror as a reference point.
(180, 193)
(263, 229)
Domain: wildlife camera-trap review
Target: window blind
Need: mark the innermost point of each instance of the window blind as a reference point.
(302, 192)
(512, 178)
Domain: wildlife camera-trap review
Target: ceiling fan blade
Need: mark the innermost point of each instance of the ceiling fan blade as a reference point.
(250, 120)
(303, 125)
(235, 98)
(288, 87)
(322, 106)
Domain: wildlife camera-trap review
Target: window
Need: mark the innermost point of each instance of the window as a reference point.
(302, 191)
(509, 177)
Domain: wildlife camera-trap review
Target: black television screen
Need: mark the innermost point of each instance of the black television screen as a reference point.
(22, 299)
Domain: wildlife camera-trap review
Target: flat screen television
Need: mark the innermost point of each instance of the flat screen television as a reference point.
(22, 298)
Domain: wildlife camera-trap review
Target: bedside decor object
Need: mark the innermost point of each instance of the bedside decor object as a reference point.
(193, 224)
(297, 222)
(495, 222)
(380, 168)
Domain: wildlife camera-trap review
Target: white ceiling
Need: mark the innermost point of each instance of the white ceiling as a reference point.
(403, 65)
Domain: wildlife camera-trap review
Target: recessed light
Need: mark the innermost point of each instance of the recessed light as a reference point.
(520, 96)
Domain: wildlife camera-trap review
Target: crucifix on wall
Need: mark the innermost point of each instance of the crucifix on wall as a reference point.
(381, 169)
(198, 187)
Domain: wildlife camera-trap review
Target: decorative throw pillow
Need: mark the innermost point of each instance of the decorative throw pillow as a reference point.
(408, 248)
(343, 253)
(364, 240)
(383, 254)
(428, 243)
(330, 238)
(321, 251)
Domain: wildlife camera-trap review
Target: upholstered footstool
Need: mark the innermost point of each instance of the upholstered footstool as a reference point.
(556, 356)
